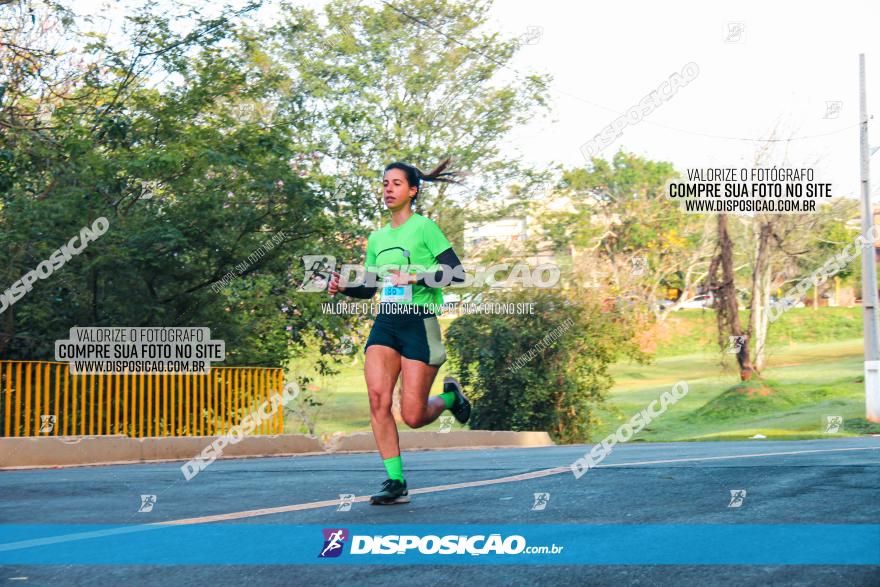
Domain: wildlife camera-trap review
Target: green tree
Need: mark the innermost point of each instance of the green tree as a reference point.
(542, 371)
(628, 233)
(412, 82)
(198, 175)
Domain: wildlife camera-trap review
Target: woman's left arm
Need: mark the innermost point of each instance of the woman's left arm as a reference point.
(452, 271)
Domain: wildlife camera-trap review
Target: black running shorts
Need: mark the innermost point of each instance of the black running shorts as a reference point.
(415, 336)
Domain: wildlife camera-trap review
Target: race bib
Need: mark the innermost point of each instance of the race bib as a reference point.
(395, 293)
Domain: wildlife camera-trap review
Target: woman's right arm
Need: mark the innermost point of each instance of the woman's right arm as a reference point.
(363, 292)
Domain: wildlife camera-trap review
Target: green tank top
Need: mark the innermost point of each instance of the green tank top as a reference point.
(412, 247)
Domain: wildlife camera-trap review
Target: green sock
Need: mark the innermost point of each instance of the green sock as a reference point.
(448, 398)
(394, 466)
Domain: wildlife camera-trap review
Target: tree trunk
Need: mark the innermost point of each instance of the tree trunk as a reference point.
(726, 308)
(94, 283)
(8, 330)
(762, 322)
(760, 295)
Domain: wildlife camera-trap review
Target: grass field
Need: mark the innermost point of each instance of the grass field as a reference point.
(811, 381)
(814, 367)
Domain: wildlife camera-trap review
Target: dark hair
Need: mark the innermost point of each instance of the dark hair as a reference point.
(414, 177)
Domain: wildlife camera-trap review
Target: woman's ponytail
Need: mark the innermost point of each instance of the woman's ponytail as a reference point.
(439, 173)
(414, 176)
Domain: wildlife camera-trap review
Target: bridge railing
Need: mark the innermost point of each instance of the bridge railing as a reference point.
(43, 398)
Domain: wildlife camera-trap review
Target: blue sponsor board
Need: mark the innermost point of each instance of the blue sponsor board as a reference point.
(228, 543)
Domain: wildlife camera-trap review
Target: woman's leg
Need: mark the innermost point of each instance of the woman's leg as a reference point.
(381, 370)
(416, 408)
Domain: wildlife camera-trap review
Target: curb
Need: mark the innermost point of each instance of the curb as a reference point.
(413, 440)
(67, 451)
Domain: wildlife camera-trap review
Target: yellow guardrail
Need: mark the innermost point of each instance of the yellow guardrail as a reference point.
(43, 398)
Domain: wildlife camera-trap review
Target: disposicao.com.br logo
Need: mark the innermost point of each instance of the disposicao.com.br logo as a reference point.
(335, 539)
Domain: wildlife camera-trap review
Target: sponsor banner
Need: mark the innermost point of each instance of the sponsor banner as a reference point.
(621, 544)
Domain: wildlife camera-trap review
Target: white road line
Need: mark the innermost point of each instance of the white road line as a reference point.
(77, 536)
(335, 502)
(766, 454)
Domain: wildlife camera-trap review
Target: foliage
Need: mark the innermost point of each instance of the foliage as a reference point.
(573, 342)
(194, 186)
(222, 150)
(635, 241)
(413, 82)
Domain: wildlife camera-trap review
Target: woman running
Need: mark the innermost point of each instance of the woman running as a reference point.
(405, 336)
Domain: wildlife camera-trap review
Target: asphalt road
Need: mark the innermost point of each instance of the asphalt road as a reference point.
(648, 492)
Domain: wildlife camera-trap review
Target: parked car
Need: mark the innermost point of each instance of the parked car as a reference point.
(698, 303)
(664, 305)
(774, 301)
